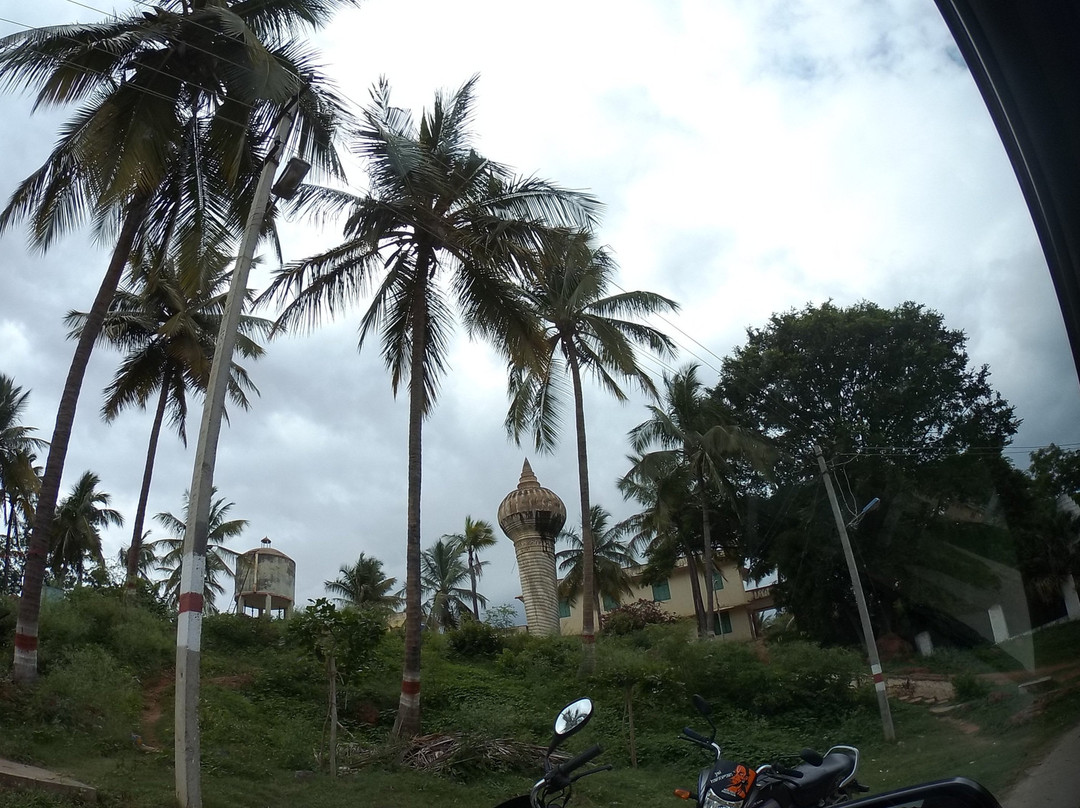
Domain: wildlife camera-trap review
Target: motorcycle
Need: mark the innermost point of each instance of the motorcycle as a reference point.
(553, 789)
(821, 780)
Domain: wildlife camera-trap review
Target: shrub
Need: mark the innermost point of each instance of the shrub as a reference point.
(236, 632)
(474, 641)
(969, 687)
(634, 617)
(89, 691)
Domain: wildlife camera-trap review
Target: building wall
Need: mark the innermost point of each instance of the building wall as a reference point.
(732, 601)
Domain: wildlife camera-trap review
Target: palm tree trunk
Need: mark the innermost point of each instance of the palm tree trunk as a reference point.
(588, 562)
(331, 672)
(24, 670)
(144, 494)
(407, 723)
(472, 575)
(695, 592)
(707, 562)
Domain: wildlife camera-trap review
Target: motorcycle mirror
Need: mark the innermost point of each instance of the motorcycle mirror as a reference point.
(571, 718)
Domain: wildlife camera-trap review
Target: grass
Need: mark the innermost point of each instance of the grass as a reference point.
(264, 705)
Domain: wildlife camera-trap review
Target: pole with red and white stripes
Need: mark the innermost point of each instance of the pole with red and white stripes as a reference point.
(860, 600)
(193, 571)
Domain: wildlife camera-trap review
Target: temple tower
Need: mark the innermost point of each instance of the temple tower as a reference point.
(532, 517)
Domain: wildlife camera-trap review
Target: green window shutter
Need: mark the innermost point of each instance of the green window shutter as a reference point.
(609, 604)
(717, 581)
(661, 591)
(564, 608)
(722, 624)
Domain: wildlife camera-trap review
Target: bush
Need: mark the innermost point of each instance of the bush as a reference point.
(969, 687)
(474, 641)
(236, 632)
(89, 691)
(634, 617)
(127, 632)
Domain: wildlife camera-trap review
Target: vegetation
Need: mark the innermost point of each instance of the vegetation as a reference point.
(890, 398)
(443, 227)
(100, 711)
(586, 331)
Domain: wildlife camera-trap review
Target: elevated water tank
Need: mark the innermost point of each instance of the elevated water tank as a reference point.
(265, 582)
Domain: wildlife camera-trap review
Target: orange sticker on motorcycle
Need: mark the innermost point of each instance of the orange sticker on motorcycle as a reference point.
(741, 781)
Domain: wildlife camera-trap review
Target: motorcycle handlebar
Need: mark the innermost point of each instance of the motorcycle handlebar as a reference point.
(696, 736)
(563, 769)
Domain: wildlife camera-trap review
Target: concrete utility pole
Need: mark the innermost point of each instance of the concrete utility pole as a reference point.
(860, 600)
(193, 570)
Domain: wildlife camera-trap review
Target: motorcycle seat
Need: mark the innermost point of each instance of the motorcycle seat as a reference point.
(815, 782)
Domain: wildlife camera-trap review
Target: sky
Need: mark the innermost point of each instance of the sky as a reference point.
(753, 156)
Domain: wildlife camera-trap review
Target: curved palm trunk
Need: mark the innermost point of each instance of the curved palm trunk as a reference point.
(135, 550)
(407, 723)
(707, 562)
(472, 575)
(24, 669)
(588, 562)
(695, 592)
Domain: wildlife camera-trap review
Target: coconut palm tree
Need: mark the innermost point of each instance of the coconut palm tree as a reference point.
(442, 574)
(441, 225)
(77, 534)
(170, 551)
(168, 329)
(364, 584)
(19, 480)
(611, 557)
(478, 535)
(177, 105)
(691, 429)
(584, 333)
(666, 528)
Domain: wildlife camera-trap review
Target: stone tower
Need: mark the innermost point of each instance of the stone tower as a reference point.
(532, 517)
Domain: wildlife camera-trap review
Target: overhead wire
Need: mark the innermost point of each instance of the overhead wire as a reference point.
(785, 413)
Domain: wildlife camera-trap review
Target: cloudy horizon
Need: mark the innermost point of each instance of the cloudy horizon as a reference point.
(753, 157)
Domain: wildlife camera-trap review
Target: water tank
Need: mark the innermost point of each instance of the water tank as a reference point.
(265, 582)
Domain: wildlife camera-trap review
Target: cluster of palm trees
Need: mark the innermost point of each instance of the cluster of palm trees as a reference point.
(75, 555)
(179, 109)
(450, 569)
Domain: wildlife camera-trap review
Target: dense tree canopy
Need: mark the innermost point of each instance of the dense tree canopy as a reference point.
(891, 398)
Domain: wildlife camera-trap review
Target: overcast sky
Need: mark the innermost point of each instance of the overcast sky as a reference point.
(753, 156)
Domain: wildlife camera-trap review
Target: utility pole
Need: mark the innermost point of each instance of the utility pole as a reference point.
(860, 600)
(193, 569)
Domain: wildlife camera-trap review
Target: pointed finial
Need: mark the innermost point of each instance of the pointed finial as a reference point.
(528, 479)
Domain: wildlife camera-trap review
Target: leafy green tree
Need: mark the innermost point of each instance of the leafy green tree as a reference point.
(219, 530)
(611, 557)
(176, 107)
(691, 429)
(77, 534)
(19, 480)
(890, 397)
(168, 330)
(364, 584)
(1056, 471)
(443, 573)
(478, 535)
(441, 225)
(585, 331)
(342, 639)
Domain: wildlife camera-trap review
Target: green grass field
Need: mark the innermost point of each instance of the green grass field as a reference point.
(107, 677)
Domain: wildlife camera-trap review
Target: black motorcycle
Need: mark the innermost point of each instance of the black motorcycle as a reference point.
(553, 789)
(821, 780)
